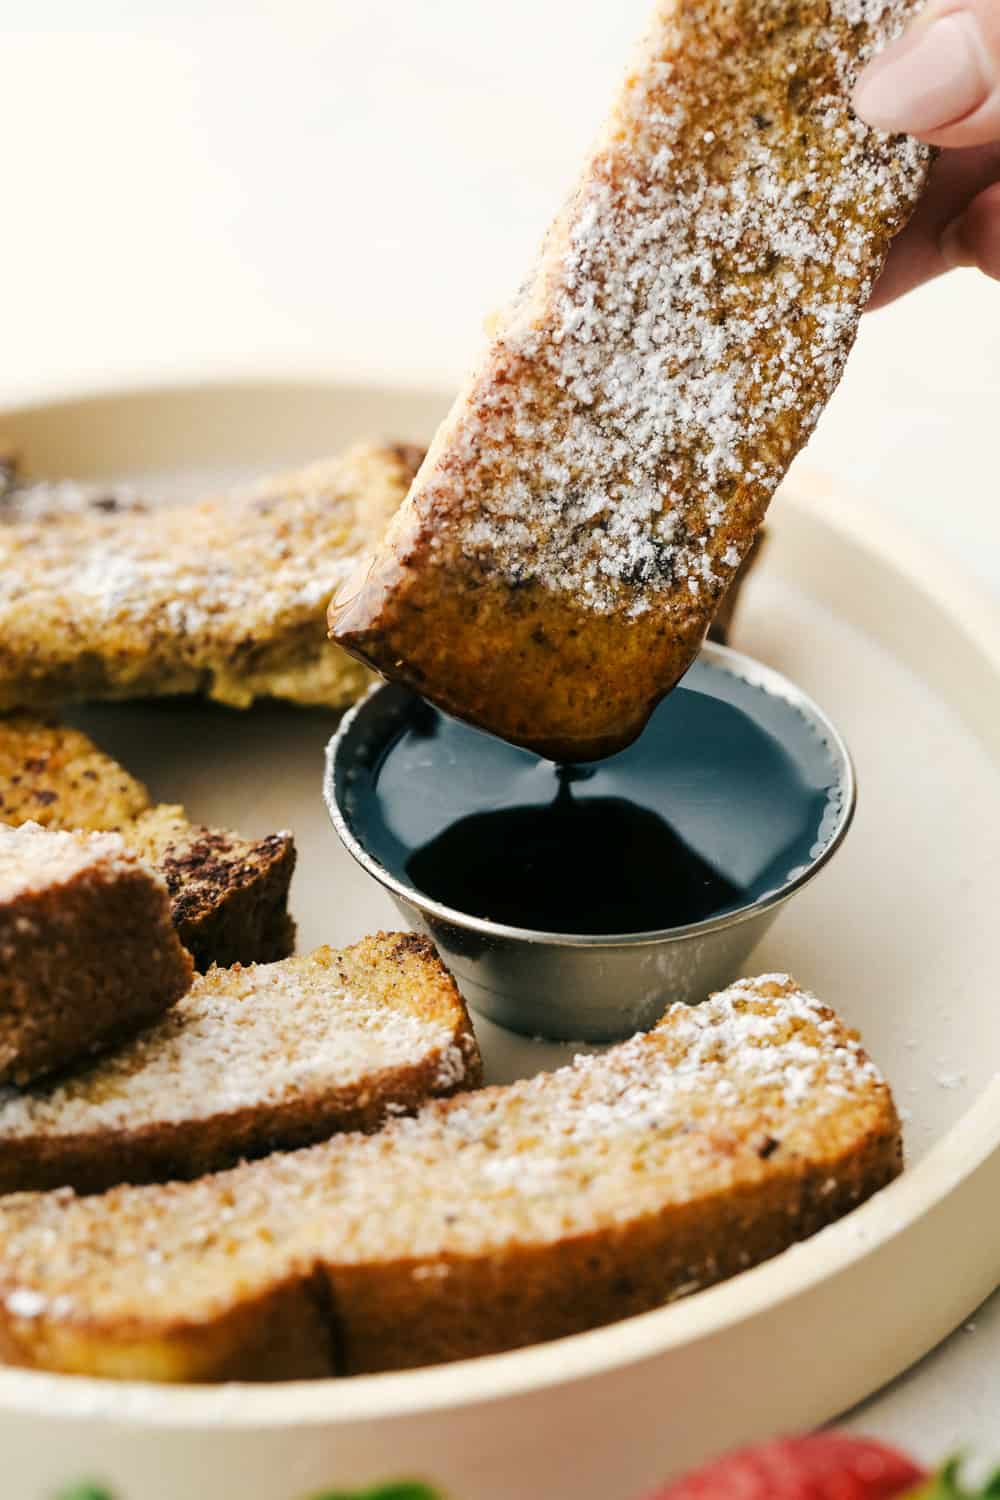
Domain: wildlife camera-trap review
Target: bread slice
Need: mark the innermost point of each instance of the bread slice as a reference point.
(602, 474)
(56, 776)
(88, 952)
(226, 597)
(229, 895)
(23, 499)
(484, 1223)
(251, 1059)
(36, 500)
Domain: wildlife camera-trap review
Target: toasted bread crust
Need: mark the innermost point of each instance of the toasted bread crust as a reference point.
(602, 475)
(486, 1222)
(527, 1295)
(86, 957)
(229, 895)
(167, 1106)
(225, 598)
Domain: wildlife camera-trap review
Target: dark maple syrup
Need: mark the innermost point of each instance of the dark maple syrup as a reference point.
(722, 799)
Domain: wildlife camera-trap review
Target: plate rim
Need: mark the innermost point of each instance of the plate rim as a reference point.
(969, 1149)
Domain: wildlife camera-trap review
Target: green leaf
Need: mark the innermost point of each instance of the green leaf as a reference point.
(384, 1492)
(947, 1485)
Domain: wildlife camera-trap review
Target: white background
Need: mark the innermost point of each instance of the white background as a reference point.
(197, 189)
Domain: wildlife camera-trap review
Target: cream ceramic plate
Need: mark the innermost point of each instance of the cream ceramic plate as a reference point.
(897, 934)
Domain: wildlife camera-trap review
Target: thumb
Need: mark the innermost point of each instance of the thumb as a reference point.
(941, 80)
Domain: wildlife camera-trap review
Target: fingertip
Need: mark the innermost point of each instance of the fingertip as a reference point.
(973, 239)
(869, 98)
(940, 80)
(954, 251)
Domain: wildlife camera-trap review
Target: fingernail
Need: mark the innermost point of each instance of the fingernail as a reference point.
(954, 251)
(937, 73)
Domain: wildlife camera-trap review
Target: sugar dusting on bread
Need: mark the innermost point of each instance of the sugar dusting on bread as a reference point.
(760, 1037)
(34, 859)
(704, 299)
(243, 1038)
(100, 596)
(713, 1095)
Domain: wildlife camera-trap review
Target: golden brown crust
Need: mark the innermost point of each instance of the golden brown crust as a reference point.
(226, 597)
(56, 776)
(281, 1333)
(487, 1222)
(85, 960)
(170, 1106)
(520, 1296)
(602, 475)
(520, 664)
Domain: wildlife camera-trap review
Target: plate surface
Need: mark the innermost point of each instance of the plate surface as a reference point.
(896, 935)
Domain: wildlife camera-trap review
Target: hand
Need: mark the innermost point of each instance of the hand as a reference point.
(941, 81)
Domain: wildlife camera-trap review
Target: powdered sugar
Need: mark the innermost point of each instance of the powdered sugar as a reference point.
(33, 859)
(62, 499)
(691, 313)
(25, 1304)
(228, 595)
(113, 572)
(610, 1143)
(244, 1039)
(759, 1037)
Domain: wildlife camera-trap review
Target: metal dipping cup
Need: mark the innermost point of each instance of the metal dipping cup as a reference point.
(570, 987)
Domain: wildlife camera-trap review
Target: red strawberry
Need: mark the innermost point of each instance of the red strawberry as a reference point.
(826, 1466)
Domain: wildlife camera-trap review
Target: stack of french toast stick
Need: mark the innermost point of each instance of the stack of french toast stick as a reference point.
(465, 1225)
(220, 1161)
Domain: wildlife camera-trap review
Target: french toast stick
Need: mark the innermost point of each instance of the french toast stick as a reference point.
(249, 1060)
(603, 473)
(88, 951)
(226, 597)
